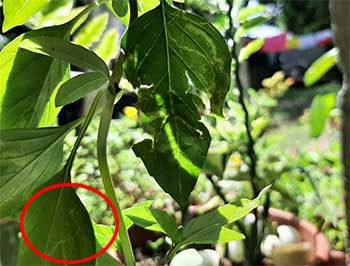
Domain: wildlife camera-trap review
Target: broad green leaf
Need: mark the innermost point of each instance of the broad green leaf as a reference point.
(191, 53)
(18, 12)
(120, 7)
(321, 106)
(109, 45)
(154, 220)
(170, 54)
(58, 225)
(210, 227)
(320, 67)
(80, 86)
(29, 158)
(67, 52)
(28, 81)
(251, 48)
(249, 12)
(92, 31)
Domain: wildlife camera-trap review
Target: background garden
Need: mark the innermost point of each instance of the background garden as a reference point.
(280, 132)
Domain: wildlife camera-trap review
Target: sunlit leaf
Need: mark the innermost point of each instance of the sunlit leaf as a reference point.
(92, 31)
(174, 53)
(321, 107)
(109, 45)
(320, 67)
(18, 12)
(251, 48)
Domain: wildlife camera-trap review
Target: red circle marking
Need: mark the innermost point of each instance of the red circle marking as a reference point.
(77, 261)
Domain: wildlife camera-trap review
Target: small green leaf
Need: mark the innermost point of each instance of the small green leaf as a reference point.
(154, 220)
(210, 227)
(92, 31)
(120, 7)
(29, 157)
(18, 12)
(109, 45)
(250, 24)
(80, 86)
(58, 225)
(320, 67)
(251, 48)
(67, 52)
(103, 234)
(249, 12)
(321, 107)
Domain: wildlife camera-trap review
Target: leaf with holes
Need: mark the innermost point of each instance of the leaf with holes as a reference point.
(170, 55)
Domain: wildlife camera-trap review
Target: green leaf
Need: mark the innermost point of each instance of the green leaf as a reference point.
(29, 158)
(18, 12)
(80, 86)
(249, 12)
(28, 81)
(109, 45)
(105, 259)
(251, 48)
(54, 13)
(67, 52)
(191, 52)
(103, 234)
(154, 220)
(250, 24)
(321, 107)
(58, 225)
(211, 228)
(320, 67)
(170, 54)
(120, 7)
(92, 31)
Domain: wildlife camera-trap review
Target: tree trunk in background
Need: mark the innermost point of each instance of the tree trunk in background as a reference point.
(340, 11)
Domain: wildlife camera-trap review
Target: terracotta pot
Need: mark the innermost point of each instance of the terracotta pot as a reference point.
(336, 258)
(320, 249)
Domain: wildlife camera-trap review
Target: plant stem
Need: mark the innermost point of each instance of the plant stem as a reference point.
(86, 123)
(106, 117)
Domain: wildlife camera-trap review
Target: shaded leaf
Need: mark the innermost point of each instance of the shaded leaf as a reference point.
(58, 225)
(320, 67)
(251, 48)
(80, 86)
(120, 7)
(321, 107)
(92, 31)
(20, 11)
(29, 158)
(67, 52)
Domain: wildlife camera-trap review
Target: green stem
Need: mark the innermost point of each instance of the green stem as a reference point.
(86, 123)
(106, 117)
